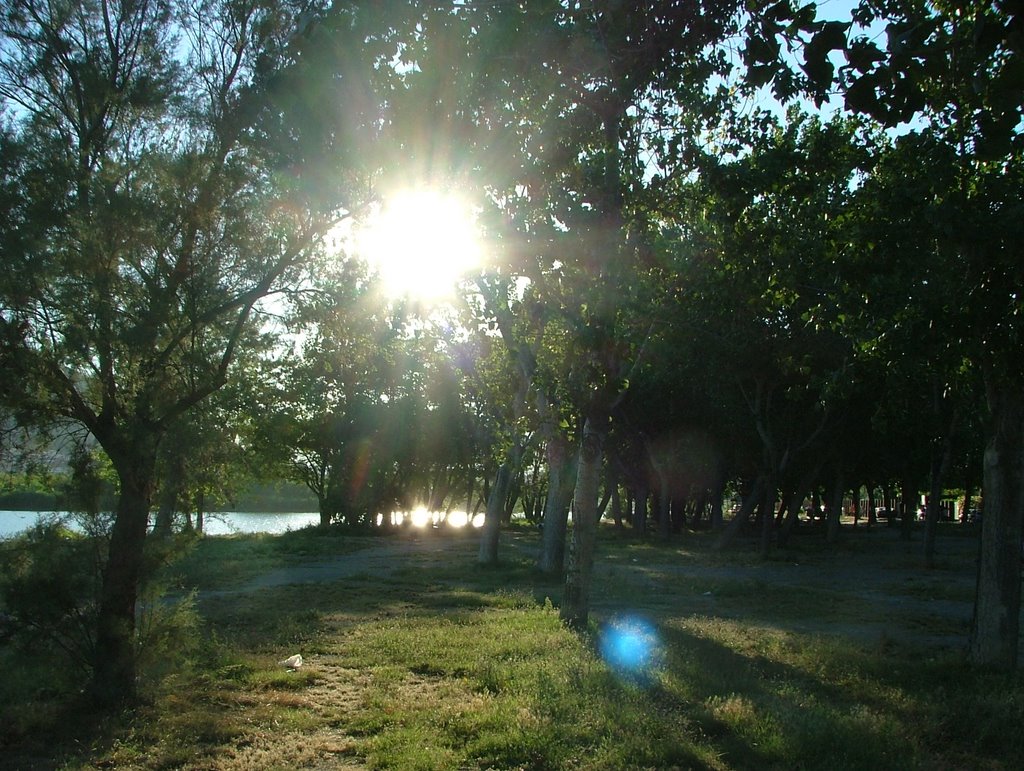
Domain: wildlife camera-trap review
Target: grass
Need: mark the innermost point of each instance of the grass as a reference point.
(737, 665)
(225, 561)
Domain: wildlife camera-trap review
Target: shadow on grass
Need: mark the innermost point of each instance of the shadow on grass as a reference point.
(445, 663)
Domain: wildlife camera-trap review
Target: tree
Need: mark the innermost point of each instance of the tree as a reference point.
(950, 72)
(574, 81)
(957, 67)
(162, 202)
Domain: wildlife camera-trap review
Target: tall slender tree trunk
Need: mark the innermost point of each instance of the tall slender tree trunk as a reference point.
(114, 666)
(835, 508)
(491, 531)
(200, 511)
(908, 509)
(664, 507)
(995, 630)
(969, 482)
(613, 484)
(640, 500)
(576, 601)
(939, 468)
(556, 507)
(768, 518)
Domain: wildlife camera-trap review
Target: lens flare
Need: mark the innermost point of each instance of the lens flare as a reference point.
(630, 646)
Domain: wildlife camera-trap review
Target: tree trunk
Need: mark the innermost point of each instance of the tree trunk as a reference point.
(576, 601)
(491, 531)
(200, 511)
(789, 525)
(170, 493)
(717, 495)
(996, 625)
(750, 501)
(114, 673)
(662, 499)
(640, 498)
(768, 518)
(325, 512)
(965, 514)
(616, 503)
(556, 507)
(835, 508)
(939, 468)
(908, 509)
(664, 508)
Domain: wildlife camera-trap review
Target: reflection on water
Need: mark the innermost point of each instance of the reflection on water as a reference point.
(230, 522)
(13, 522)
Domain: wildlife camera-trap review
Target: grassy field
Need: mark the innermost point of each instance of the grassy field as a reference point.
(848, 657)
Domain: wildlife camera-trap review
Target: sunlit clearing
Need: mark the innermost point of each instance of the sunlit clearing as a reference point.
(478, 520)
(630, 646)
(420, 243)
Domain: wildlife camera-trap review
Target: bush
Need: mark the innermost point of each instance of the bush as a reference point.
(49, 582)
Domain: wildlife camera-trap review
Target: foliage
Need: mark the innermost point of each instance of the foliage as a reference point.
(49, 586)
(49, 593)
(167, 191)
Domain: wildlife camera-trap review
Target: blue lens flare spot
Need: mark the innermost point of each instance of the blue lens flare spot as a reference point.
(630, 645)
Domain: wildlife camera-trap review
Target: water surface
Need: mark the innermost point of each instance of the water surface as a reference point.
(217, 523)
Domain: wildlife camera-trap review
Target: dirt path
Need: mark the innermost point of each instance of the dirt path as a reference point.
(377, 561)
(898, 599)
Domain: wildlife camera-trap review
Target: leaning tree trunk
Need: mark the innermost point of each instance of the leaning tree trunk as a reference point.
(114, 672)
(747, 506)
(576, 601)
(792, 519)
(996, 625)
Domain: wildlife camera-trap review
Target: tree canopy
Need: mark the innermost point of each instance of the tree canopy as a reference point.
(700, 297)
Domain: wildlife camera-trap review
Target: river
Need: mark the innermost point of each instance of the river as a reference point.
(217, 523)
(230, 522)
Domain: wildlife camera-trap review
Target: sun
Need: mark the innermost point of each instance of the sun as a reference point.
(420, 243)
